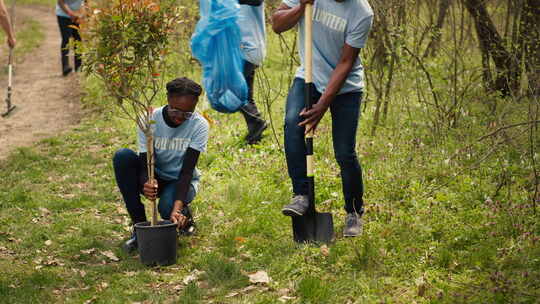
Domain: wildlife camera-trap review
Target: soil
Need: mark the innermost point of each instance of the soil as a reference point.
(47, 103)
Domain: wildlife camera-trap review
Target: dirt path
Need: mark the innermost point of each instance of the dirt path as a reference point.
(47, 103)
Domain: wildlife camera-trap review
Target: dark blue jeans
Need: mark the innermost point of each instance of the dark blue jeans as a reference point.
(66, 31)
(345, 111)
(127, 170)
(250, 111)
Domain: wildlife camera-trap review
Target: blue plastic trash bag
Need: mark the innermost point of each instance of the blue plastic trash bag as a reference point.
(216, 44)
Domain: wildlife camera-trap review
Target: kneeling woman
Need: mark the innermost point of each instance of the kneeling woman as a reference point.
(180, 135)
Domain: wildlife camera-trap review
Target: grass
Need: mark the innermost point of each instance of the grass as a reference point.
(29, 34)
(50, 3)
(29, 37)
(436, 230)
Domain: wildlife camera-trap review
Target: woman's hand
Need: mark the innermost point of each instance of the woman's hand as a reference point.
(178, 218)
(176, 215)
(150, 189)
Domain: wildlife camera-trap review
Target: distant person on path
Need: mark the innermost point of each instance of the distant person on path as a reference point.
(252, 28)
(340, 30)
(180, 135)
(6, 25)
(68, 14)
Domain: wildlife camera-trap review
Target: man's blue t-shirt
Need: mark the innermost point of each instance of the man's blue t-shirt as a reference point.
(334, 24)
(252, 29)
(171, 144)
(73, 5)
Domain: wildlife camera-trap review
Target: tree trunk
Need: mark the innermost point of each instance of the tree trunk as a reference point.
(530, 37)
(434, 44)
(491, 45)
(150, 168)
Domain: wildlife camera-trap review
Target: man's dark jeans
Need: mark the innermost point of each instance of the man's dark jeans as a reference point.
(345, 111)
(66, 31)
(250, 111)
(127, 170)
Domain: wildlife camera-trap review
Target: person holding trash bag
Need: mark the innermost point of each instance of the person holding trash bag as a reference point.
(252, 28)
(340, 30)
(180, 135)
(6, 25)
(68, 15)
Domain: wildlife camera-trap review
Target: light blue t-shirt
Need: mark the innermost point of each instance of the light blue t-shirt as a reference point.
(171, 144)
(251, 23)
(73, 5)
(334, 24)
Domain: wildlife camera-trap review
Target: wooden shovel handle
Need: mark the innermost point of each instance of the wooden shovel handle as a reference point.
(308, 66)
(308, 42)
(308, 58)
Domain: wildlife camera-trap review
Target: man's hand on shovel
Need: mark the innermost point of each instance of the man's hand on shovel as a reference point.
(313, 116)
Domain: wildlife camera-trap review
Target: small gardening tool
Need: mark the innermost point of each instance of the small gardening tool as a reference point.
(312, 226)
(9, 105)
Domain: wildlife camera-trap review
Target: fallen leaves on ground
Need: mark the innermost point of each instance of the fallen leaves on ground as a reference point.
(50, 261)
(249, 288)
(89, 251)
(284, 299)
(259, 277)
(284, 291)
(110, 255)
(5, 250)
(421, 285)
(14, 240)
(79, 271)
(325, 250)
(44, 211)
(193, 276)
(232, 294)
(244, 291)
(240, 239)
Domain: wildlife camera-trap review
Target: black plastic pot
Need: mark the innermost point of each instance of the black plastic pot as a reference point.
(157, 244)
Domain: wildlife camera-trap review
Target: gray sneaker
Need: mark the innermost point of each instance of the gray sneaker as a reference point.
(297, 207)
(353, 225)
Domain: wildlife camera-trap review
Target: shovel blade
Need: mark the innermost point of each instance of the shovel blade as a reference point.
(313, 227)
(10, 110)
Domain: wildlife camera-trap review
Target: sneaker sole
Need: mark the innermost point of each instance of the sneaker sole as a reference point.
(290, 212)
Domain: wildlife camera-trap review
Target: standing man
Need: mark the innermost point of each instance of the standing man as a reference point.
(68, 14)
(340, 30)
(251, 23)
(6, 25)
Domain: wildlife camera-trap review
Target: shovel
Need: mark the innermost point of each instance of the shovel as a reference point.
(312, 226)
(10, 107)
